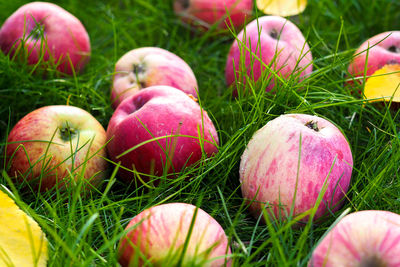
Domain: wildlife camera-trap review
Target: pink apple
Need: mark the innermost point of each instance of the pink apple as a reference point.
(364, 238)
(205, 13)
(158, 234)
(270, 173)
(277, 42)
(46, 30)
(376, 52)
(148, 66)
(53, 143)
(158, 112)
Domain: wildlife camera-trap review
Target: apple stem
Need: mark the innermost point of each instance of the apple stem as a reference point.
(312, 125)
(138, 68)
(38, 31)
(274, 34)
(372, 261)
(67, 133)
(184, 3)
(394, 49)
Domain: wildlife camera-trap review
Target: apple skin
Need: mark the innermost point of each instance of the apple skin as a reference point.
(384, 49)
(163, 229)
(65, 36)
(161, 111)
(278, 43)
(148, 66)
(270, 161)
(363, 238)
(205, 13)
(53, 163)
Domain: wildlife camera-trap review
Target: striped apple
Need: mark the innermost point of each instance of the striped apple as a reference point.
(206, 13)
(53, 145)
(158, 236)
(268, 41)
(49, 34)
(149, 66)
(364, 238)
(287, 162)
(376, 52)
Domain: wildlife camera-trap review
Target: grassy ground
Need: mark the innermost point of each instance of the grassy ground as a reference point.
(85, 232)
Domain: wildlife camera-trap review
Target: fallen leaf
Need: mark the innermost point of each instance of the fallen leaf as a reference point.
(22, 242)
(282, 8)
(384, 84)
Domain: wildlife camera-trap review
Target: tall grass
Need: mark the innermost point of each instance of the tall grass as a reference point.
(84, 231)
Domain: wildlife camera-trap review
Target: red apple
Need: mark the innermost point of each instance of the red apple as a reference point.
(205, 13)
(378, 51)
(364, 238)
(158, 235)
(54, 143)
(277, 42)
(148, 66)
(271, 174)
(46, 30)
(158, 112)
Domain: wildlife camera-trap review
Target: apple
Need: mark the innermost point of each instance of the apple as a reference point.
(206, 13)
(277, 42)
(158, 235)
(52, 144)
(376, 52)
(272, 175)
(45, 32)
(148, 66)
(153, 115)
(363, 238)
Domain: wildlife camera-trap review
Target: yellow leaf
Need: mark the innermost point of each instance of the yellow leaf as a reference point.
(384, 84)
(22, 242)
(282, 7)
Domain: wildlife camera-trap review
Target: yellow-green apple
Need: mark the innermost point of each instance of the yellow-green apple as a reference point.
(157, 115)
(46, 32)
(148, 66)
(277, 43)
(376, 52)
(158, 236)
(205, 13)
(280, 174)
(53, 144)
(363, 238)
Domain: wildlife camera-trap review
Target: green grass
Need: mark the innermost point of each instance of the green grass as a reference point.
(85, 231)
